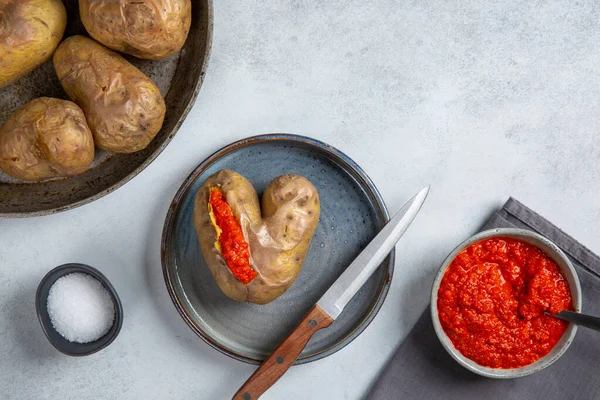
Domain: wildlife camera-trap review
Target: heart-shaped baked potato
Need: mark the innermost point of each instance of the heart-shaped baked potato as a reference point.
(255, 256)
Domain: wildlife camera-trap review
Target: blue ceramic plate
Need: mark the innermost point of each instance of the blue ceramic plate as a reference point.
(352, 212)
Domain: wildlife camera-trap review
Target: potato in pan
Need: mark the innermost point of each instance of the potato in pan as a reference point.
(255, 256)
(46, 138)
(152, 29)
(30, 30)
(124, 108)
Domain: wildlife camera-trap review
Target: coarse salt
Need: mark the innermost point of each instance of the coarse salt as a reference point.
(80, 308)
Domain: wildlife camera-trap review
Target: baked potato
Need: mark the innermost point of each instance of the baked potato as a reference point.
(153, 29)
(30, 30)
(123, 107)
(255, 256)
(46, 138)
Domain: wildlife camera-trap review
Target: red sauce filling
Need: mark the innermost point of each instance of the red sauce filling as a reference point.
(492, 299)
(234, 248)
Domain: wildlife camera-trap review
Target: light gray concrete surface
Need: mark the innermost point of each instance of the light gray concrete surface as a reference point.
(482, 100)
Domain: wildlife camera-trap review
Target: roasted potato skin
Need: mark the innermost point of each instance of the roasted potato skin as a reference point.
(124, 108)
(152, 29)
(46, 138)
(278, 239)
(30, 30)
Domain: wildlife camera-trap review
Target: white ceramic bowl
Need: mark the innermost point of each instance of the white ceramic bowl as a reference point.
(554, 253)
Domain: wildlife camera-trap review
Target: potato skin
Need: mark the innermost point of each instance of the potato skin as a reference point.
(123, 107)
(152, 29)
(278, 241)
(30, 30)
(46, 138)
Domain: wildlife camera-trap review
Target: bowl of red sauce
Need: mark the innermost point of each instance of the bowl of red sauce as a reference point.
(493, 298)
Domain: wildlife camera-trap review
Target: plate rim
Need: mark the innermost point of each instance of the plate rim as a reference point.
(274, 137)
(153, 155)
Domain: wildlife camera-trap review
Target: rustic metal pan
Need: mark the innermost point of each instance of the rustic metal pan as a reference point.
(179, 78)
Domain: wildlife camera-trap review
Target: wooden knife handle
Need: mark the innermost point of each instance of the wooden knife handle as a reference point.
(284, 356)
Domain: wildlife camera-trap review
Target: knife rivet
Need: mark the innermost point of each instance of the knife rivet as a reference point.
(312, 323)
(246, 396)
(279, 360)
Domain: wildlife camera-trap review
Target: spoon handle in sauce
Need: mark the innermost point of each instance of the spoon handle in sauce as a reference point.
(580, 319)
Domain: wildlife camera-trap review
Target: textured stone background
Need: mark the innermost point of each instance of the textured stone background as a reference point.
(481, 99)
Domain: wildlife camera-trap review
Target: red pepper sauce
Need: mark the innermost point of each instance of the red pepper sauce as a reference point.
(492, 299)
(234, 248)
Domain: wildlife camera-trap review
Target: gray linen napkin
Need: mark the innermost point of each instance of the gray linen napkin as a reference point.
(421, 368)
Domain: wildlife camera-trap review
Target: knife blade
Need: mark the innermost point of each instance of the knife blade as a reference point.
(363, 266)
(331, 304)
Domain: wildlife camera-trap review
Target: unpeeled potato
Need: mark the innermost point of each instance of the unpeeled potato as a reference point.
(124, 108)
(30, 30)
(278, 233)
(46, 138)
(152, 29)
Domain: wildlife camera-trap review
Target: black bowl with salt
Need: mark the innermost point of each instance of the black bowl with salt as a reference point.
(79, 310)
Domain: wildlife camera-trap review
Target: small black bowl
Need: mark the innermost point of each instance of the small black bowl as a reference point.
(41, 306)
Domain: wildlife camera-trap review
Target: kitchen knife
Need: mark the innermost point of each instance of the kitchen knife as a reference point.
(330, 306)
